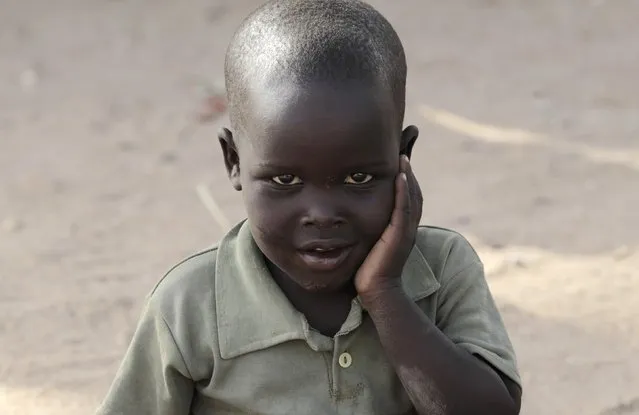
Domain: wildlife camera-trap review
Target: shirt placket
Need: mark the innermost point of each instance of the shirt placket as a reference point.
(343, 360)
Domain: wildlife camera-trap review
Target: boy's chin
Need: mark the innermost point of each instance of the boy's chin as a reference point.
(324, 285)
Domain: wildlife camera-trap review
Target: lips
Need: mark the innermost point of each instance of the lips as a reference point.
(325, 255)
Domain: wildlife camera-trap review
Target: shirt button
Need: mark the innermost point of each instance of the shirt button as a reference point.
(345, 360)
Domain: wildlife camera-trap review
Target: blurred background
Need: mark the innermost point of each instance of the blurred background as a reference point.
(110, 173)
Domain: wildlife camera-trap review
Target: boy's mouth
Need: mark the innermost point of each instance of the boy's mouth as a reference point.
(325, 255)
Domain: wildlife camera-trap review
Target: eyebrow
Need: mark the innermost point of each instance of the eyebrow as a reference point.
(354, 168)
(270, 166)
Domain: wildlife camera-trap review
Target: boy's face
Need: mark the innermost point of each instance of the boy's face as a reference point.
(317, 167)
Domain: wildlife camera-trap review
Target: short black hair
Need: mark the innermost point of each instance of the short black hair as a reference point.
(314, 40)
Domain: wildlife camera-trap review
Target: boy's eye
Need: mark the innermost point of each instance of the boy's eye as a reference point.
(287, 180)
(358, 178)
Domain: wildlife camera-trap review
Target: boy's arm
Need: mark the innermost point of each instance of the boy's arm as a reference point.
(435, 361)
(153, 378)
(463, 367)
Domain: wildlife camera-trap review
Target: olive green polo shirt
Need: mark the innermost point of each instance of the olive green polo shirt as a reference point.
(218, 336)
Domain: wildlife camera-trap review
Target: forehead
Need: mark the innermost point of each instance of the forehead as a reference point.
(349, 121)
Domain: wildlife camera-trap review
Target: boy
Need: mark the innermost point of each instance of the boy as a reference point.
(329, 298)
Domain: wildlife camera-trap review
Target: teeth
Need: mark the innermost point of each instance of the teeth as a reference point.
(322, 250)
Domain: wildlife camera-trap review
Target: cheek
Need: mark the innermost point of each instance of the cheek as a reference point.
(269, 216)
(271, 224)
(373, 211)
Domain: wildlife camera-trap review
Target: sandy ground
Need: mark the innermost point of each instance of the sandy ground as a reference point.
(529, 119)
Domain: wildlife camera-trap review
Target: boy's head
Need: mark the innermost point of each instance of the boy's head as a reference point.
(316, 92)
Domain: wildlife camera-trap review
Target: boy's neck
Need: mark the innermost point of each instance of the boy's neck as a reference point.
(325, 312)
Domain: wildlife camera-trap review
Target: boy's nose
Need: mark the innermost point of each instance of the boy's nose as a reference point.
(322, 221)
(323, 217)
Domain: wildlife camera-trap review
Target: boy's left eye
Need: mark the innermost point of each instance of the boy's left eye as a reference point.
(358, 178)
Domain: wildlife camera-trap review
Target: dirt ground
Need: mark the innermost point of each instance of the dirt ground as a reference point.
(529, 147)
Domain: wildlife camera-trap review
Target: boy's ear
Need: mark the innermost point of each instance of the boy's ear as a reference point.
(409, 136)
(231, 157)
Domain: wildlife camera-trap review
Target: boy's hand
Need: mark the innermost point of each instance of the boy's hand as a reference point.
(382, 268)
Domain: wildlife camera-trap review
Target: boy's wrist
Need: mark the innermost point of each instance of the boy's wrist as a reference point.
(383, 296)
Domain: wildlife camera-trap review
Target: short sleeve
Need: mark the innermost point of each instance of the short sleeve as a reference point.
(467, 313)
(153, 377)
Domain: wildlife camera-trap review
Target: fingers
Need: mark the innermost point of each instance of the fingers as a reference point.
(401, 211)
(407, 211)
(414, 191)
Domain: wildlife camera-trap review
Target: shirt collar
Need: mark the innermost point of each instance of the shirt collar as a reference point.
(252, 311)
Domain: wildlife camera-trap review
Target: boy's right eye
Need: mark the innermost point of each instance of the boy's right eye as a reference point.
(287, 180)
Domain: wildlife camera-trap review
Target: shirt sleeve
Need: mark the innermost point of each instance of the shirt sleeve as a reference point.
(153, 377)
(467, 313)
